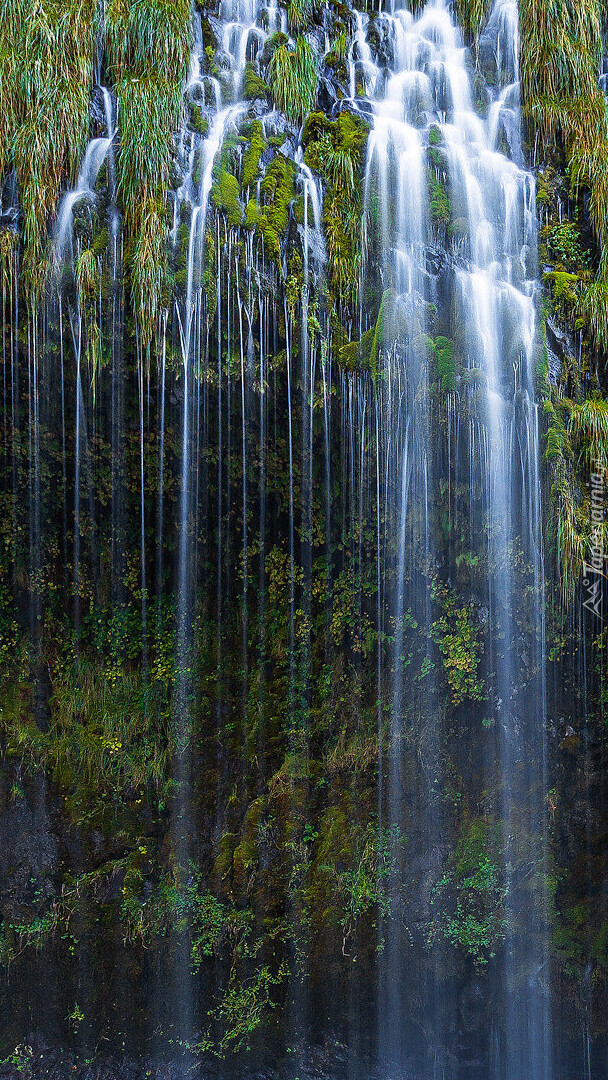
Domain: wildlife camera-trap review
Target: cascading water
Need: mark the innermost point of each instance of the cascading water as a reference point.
(483, 284)
(314, 501)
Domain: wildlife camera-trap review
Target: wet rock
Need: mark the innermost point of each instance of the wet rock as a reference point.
(326, 94)
(28, 848)
(435, 260)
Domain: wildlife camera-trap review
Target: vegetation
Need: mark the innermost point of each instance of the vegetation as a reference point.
(327, 677)
(334, 149)
(47, 62)
(148, 49)
(468, 900)
(292, 77)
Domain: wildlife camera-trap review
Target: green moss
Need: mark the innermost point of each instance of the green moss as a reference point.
(445, 364)
(356, 354)
(252, 214)
(254, 87)
(250, 169)
(277, 191)
(436, 136)
(225, 197)
(563, 286)
(439, 203)
(244, 858)
(222, 867)
(198, 122)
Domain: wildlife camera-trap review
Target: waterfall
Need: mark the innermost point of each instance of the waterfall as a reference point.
(298, 527)
(484, 282)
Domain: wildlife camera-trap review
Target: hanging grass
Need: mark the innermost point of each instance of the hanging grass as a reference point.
(561, 47)
(577, 446)
(589, 431)
(561, 52)
(299, 14)
(471, 15)
(334, 150)
(46, 75)
(593, 306)
(292, 77)
(149, 34)
(148, 45)
(149, 269)
(149, 112)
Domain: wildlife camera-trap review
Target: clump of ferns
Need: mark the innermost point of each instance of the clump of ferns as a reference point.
(47, 75)
(292, 78)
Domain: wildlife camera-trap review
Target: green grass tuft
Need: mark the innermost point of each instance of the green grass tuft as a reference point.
(292, 76)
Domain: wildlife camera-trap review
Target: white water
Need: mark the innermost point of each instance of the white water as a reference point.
(489, 272)
(98, 150)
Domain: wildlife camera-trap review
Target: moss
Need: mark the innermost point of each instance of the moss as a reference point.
(439, 203)
(222, 867)
(366, 352)
(198, 122)
(225, 197)
(436, 136)
(563, 286)
(277, 191)
(445, 363)
(254, 87)
(100, 243)
(252, 214)
(250, 168)
(244, 858)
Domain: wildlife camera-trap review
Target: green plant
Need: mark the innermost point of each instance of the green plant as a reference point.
(292, 77)
(458, 636)
(468, 900)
